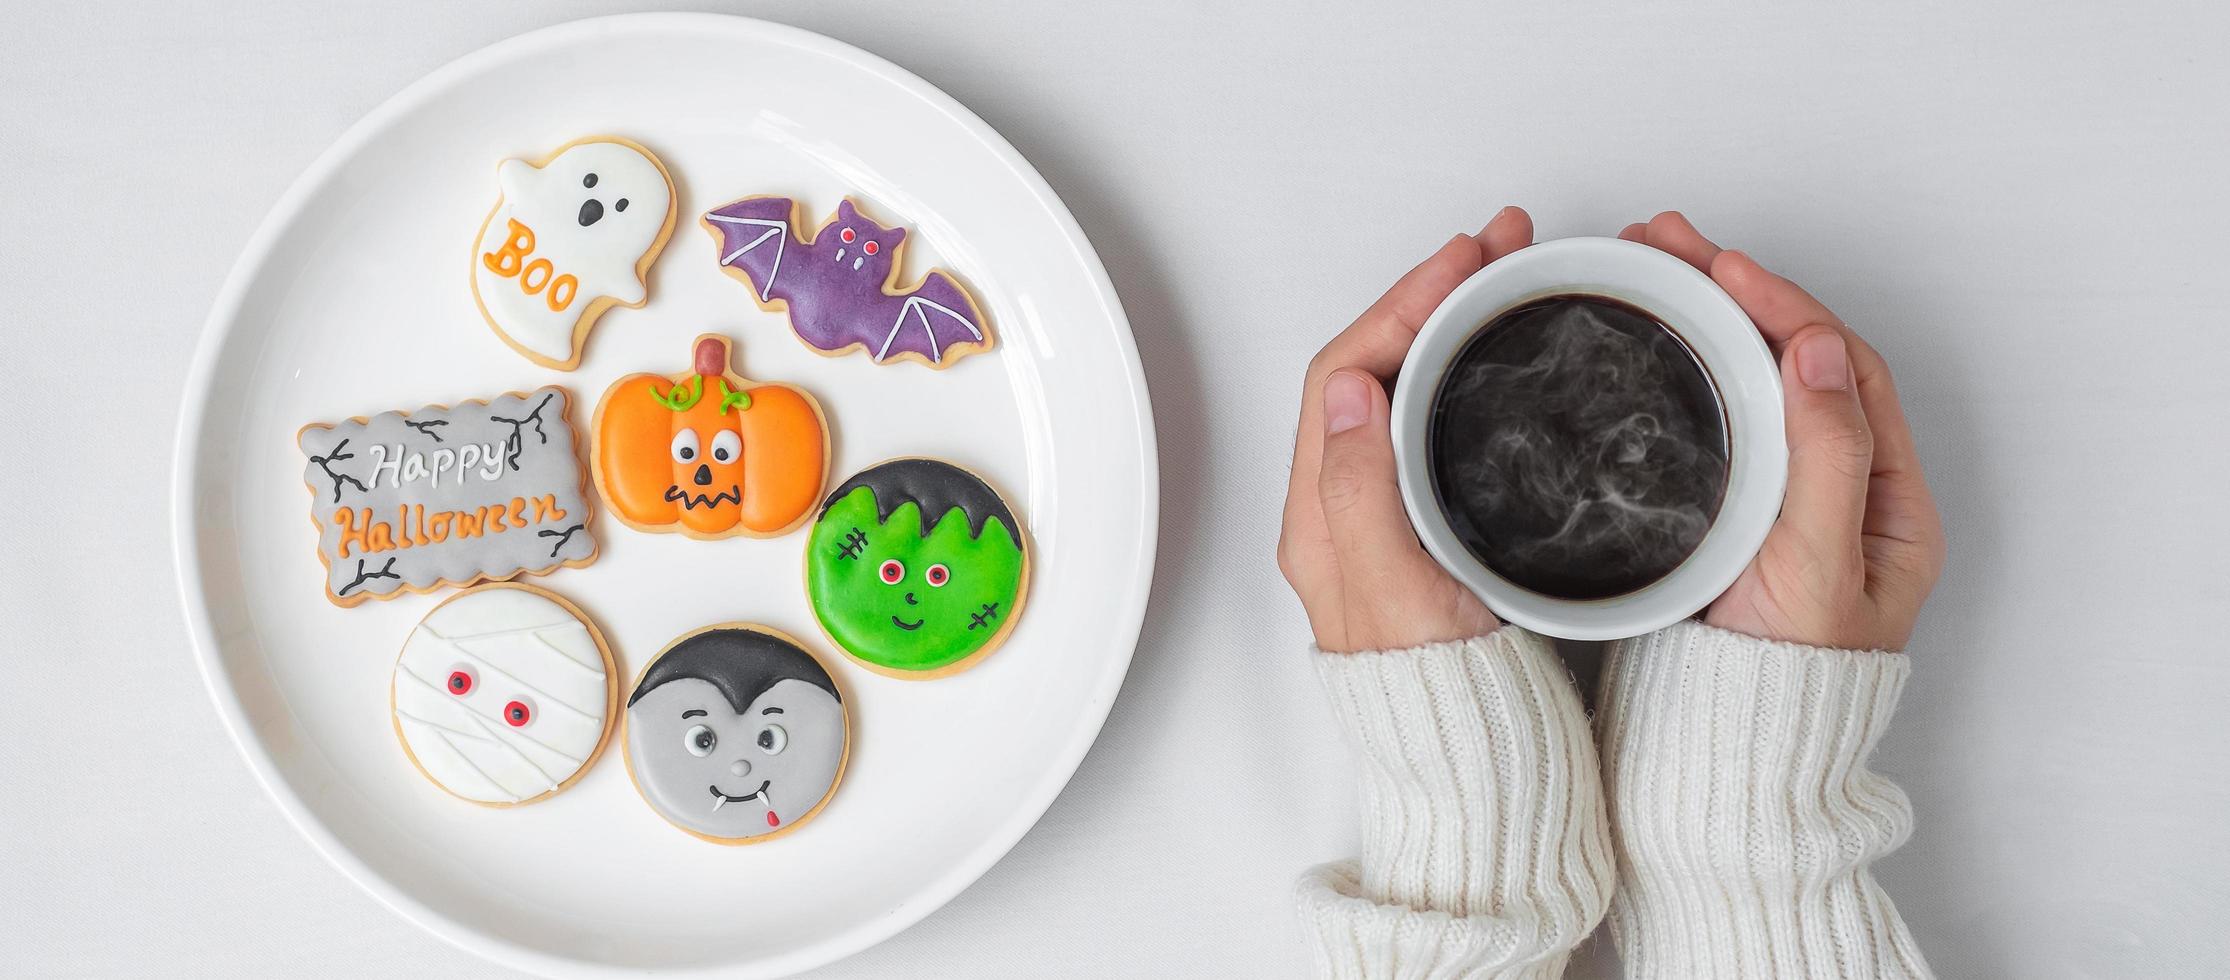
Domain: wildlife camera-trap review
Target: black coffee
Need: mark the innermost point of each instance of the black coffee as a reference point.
(1577, 447)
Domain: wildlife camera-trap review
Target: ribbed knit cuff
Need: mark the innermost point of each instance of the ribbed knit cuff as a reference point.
(1485, 850)
(1743, 811)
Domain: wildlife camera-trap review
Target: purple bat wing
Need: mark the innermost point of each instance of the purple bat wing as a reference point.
(754, 234)
(930, 321)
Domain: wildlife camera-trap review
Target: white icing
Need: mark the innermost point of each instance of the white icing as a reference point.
(600, 257)
(777, 231)
(519, 646)
(919, 308)
(396, 467)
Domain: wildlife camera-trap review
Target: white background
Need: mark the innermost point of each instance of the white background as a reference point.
(2026, 206)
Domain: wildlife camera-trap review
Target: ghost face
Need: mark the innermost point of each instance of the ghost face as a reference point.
(735, 775)
(898, 598)
(856, 246)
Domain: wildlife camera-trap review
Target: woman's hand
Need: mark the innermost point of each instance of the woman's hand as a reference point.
(1858, 545)
(1347, 547)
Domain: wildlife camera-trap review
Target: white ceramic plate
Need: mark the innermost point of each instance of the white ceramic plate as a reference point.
(353, 298)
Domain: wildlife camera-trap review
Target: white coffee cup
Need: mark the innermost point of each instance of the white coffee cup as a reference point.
(1715, 329)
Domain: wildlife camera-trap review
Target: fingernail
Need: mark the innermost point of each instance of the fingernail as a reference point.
(1347, 402)
(1822, 363)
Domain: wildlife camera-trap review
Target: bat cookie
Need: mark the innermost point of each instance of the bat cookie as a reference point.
(736, 734)
(841, 284)
(413, 501)
(707, 453)
(504, 694)
(573, 235)
(916, 568)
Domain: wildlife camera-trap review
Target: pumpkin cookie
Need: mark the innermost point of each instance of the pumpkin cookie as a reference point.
(708, 454)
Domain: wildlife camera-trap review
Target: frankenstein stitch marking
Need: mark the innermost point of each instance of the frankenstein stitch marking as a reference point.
(735, 734)
(916, 567)
(444, 495)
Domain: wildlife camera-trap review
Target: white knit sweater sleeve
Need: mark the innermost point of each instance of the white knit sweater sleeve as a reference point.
(1485, 849)
(1743, 811)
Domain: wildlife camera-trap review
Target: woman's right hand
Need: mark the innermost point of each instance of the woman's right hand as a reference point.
(1858, 545)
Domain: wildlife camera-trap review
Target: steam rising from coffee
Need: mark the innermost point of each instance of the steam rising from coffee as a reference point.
(1578, 448)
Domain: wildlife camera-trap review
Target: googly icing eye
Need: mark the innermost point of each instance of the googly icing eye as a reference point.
(700, 741)
(685, 446)
(892, 571)
(772, 740)
(461, 680)
(846, 235)
(726, 446)
(937, 575)
(870, 248)
(518, 713)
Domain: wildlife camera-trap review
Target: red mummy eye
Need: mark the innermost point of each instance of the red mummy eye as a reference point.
(460, 681)
(891, 571)
(517, 714)
(846, 234)
(937, 575)
(869, 248)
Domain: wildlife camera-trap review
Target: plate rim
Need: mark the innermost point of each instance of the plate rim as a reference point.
(186, 548)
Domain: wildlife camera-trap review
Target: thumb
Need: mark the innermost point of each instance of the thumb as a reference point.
(1371, 535)
(1831, 450)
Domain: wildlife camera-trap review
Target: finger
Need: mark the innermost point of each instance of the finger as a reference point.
(1830, 448)
(1376, 343)
(1637, 233)
(1671, 232)
(1780, 309)
(1380, 561)
(1379, 339)
(1511, 229)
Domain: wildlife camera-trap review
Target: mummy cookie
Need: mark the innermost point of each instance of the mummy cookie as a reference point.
(841, 284)
(708, 454)
(413, 501)
(504, 694)
(916, 568)
(573, 235)
(736, 734)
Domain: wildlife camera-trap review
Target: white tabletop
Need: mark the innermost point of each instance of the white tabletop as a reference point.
(2023, 204)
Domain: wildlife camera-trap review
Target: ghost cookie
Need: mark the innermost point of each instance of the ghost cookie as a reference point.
(708, 454)
(916, 568)
(842, 285)
(504, 694)
(413, 501)
(736, 734)
(573, 235)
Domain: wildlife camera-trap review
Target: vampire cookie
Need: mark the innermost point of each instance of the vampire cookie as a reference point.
(736, 734)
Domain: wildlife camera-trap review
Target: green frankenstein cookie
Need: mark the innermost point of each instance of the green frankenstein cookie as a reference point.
(916, 568)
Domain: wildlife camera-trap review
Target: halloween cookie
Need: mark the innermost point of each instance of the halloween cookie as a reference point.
(841, 284)
(413, 501)
(504, 694)
(573, 235)
(916, 568)
(707, 453)
(736, 734)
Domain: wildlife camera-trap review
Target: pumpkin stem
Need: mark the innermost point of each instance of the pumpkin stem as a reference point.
(712, 355)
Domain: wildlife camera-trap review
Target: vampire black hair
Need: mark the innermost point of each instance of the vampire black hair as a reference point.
(934, 486)
(742, 663)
